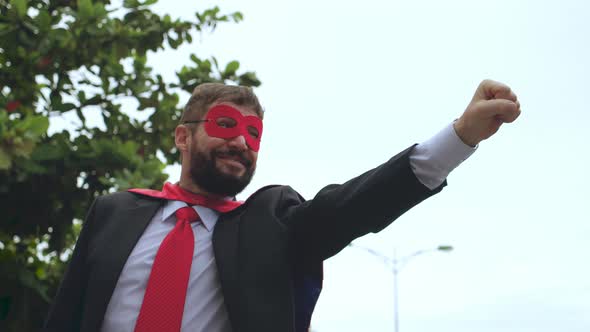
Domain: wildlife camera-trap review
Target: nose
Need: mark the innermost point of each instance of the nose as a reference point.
(238, 142)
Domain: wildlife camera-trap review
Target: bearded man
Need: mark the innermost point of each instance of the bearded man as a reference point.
(192, 258)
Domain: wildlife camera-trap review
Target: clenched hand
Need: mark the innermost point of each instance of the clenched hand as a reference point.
(492, 105)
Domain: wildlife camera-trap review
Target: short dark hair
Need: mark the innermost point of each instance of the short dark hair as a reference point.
(204, 95)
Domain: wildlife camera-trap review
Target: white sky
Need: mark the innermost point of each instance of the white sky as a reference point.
(348, 84)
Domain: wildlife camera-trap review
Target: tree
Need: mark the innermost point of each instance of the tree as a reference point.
(84, 59)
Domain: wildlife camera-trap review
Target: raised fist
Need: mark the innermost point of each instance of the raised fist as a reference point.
(492, 105)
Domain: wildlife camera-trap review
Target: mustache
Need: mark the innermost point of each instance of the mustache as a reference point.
(234, 154)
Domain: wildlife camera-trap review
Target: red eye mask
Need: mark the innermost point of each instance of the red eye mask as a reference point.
(224, 121)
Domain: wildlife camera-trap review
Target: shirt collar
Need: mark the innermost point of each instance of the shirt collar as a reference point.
(208, 216)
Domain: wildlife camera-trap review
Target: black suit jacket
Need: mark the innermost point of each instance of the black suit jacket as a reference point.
(257, 246)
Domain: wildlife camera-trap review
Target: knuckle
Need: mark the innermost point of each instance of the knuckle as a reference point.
(486, 82)
(489, 81)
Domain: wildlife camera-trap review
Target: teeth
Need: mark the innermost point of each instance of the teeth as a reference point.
(234, 159)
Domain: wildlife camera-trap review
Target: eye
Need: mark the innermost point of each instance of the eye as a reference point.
(253, 132)
(224, 122)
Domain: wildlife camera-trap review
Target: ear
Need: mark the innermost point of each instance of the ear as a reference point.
(181, 137)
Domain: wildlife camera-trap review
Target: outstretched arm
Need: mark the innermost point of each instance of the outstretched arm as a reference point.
(370, 202)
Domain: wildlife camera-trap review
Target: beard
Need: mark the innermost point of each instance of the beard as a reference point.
(205, 174)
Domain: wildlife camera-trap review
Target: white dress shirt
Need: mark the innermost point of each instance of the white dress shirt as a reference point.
(204, 310)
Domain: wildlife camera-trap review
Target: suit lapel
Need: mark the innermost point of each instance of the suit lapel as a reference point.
(226, 241)
(225, 246)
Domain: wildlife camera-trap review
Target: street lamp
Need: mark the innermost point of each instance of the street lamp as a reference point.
(396, 265)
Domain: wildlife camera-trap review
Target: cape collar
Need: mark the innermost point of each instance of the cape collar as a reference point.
(176, 193)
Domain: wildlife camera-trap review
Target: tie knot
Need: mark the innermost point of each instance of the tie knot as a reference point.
(187, 213)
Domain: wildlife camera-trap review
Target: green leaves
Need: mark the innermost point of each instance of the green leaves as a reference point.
(47, 152)
(75, 60)
(147, 175)
(35, 126)
(85, 9)
(63, 107)
(211, 17)
(5, 160)
(18, 137)
(20, 6)
(231, 68)
(131, 4)
(248, 79)
(237, 17)
(43, 21)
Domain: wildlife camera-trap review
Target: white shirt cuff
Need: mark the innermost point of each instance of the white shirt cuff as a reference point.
(434, 159)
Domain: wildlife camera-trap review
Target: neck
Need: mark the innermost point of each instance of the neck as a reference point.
(189, 185)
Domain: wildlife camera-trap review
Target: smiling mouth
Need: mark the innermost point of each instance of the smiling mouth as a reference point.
(234, 158)
(233, 161)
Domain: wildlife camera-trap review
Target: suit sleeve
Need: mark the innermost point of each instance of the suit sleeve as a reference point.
(338, 214)
(65, 313)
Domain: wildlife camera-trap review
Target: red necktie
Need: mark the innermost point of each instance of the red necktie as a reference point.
(163, 302)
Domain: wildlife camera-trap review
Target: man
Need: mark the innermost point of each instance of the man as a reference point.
(190, 258)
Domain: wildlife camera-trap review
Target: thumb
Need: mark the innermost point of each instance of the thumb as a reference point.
(501, 109)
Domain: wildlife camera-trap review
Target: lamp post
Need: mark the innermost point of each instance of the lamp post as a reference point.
(396, 265)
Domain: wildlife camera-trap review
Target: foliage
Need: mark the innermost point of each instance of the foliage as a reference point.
(81, 61)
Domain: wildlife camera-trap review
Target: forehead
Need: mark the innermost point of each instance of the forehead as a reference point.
(246, 111)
